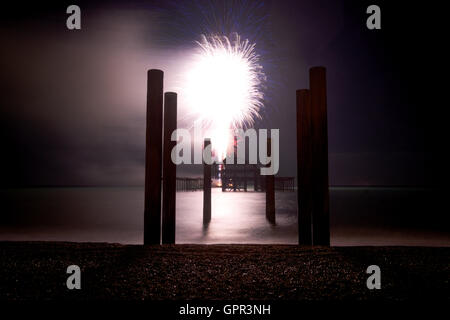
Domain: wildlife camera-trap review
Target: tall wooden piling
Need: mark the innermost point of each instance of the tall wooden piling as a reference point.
(169, 169)
(245, 177)
(235, 166)
(255, 178)
(321, 216)
(206, 185)
(223, 177)
(304, 166)
(270, 190)
(153, 158)
(246, 161)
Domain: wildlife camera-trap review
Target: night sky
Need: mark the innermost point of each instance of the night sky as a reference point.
(73, 102)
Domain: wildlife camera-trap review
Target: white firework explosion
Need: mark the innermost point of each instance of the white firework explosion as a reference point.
(223, 87)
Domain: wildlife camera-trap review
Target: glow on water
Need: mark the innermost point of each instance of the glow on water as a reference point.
(237, 217)
(359, 216)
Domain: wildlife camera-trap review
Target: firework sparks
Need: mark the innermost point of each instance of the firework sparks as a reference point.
(223, 87)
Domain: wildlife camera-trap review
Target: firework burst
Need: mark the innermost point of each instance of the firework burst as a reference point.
(223, 87)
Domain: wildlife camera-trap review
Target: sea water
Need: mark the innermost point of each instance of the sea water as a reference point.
(358, 216)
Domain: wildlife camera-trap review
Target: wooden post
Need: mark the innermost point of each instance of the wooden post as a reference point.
(206, 187)
(321, 216)
(169, 169)
(270, 190)
(234, 166)
(153, 158)
(255, 177)
(223, 178)
(246, 157)
(304, 167)
(245, 176)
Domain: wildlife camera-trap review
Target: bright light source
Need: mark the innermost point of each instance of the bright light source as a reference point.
(223, 87)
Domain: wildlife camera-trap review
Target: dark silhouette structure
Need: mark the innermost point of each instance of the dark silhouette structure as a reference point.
(321, 214)
(312, 161)
(240, 177)
(312, 166)
(153, 158)
(189, 184)
(206, 183)
(235, 177)
(169, 169)
(304, 166)
(270, 190)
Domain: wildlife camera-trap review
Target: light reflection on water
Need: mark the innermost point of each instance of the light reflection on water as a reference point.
(358, 216)
(237, 217)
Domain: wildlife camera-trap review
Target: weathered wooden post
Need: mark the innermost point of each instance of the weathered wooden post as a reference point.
(270, 190)
(245, 176)
(206, 183)
(246, 160)
(321, 215)
(255, 177)
(153, 158)
(223, 178)
(169, 169)
(304, 166)
(234, 166)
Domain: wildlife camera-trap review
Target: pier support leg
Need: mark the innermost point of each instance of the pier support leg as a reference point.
(304, 167)
(207, 183)
(321, 216)
(255, 178)
(169, 169)
(270, 191)
(153, 158)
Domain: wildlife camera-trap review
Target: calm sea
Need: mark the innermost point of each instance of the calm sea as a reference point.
(359, 216)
